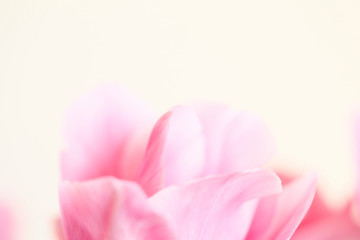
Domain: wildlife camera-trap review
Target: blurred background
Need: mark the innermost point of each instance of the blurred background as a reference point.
(293, 63)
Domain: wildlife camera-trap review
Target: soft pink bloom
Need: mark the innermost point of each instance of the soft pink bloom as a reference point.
(108, 134)
(187, 177)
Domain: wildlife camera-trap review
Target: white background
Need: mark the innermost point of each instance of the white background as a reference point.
(293, 63)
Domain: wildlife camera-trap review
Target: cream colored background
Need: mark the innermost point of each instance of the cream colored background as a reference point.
(293, 63)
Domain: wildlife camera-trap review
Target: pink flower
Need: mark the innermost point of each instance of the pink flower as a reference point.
(108, 134)
(188, 177)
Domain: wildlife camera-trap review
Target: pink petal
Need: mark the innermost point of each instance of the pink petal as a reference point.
(191, 142)
(110, 209)
(277, 217)
(176, 145)
(235, 141)
(213, 208)
(318, 208)
(102, 132)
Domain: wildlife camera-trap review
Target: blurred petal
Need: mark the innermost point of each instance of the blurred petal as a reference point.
(6, 223)
(210, 208)
(318, 208)
(100, 131)
(357, 151)
(58, 228)
(277, 217)
(329, 228)
(176, 145)
(235, 141)
(108, 208)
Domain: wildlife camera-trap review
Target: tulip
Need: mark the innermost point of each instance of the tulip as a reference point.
(109, 133)
(191, 175)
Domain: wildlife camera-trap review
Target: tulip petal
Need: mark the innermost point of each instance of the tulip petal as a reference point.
(319, 208)
(214, 207)
(108, 208)
(175, 153)
(100, 131)
(235, 141)
(277, 217)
